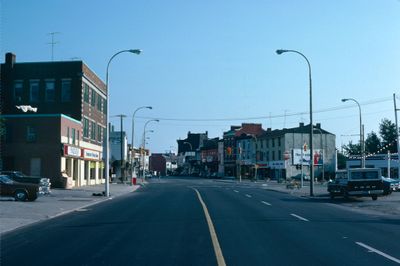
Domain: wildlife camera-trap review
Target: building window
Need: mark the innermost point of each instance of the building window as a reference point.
(30, 134)
(93, 131)
(34, 91)
(267, 143)
(86, 92)
(104, 106)
(267, 153)
(85, 128)
(73, 132)
(50, 91)
(273, 155)
(279, 142)
(99, 131)
(279, 155)
(99, 102)
(18, 91)
(65, 90)
(93, 99)
(273, 142)
(68, 135)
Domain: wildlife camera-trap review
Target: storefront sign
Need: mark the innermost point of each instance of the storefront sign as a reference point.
(72, 151)
(277, 164)
(90, 154)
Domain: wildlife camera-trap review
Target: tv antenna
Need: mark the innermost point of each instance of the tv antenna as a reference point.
(52, 43)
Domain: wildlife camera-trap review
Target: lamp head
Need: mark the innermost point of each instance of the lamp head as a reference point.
(149, 107)
(345, 100)
(281, 51)
(135, 51)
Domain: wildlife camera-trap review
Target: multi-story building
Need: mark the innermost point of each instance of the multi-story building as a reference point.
(230, 145)
(64, 137)
(209, 157)
(189, 152)
(284, 153)
(119, 154)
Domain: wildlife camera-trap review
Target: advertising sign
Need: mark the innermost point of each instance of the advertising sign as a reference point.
(299, 154)
(90, 154)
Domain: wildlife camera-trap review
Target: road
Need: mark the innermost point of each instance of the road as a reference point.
(186, 221)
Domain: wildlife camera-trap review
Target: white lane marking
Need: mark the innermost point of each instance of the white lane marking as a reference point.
(213, 234)
(247, 195)
(371, 249)
(266, 203)
(299, 217)
(236, 191)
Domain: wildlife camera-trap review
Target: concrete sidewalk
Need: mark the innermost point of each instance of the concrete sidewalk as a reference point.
(14, 214)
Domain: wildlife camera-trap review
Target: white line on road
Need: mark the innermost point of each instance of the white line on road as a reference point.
(266, 203)
(378, 252)
(299, 217)
(213, 234)
(247, 195)
(236, 191)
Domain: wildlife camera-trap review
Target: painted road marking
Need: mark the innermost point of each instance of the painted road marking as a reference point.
(236, 191)
(213, 234)
(299, 217)
(266, 203)
(247, 195)
(371, 249)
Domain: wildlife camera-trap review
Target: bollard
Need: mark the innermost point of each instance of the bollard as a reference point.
(133, 181)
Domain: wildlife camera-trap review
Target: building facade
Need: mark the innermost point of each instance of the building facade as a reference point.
(68, 91)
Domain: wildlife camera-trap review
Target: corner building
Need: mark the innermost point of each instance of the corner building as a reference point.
(62, 140)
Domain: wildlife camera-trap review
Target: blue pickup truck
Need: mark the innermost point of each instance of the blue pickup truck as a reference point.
(357, 182)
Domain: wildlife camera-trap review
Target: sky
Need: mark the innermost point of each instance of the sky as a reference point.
(207, 64)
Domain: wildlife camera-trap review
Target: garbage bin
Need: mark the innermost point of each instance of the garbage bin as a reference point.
(133, 181)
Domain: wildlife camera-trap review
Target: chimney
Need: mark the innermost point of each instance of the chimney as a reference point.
(318, 125)
(301, 124)
(10, 59)
(269, 129)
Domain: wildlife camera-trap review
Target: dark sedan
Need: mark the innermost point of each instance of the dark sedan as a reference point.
(20, 191)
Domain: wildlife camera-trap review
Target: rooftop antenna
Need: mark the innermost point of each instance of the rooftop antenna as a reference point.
(52, 43)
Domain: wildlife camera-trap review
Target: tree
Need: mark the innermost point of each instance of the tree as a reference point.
(341, 163)
(387, 131)
(351, 149)
(372, 143)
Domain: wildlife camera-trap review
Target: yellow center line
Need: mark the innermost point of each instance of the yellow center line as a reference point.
(213, 234)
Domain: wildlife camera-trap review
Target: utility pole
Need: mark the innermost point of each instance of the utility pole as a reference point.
(52, 43)
(122, 145)
(397, 133)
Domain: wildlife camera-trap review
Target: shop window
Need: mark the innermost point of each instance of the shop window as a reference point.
(92, 170)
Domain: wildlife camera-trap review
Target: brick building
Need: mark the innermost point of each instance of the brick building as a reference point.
(66, 132)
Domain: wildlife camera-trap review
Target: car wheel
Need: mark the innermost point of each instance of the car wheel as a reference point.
(374, 197)
(20, 195)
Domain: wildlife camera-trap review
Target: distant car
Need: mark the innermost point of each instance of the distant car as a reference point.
(20, 191)
(20, 177)
(390, 185)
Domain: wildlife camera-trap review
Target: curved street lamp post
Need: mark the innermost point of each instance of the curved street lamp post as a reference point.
(362, 146)
(281, 51)
(144, 143)
(107, 147)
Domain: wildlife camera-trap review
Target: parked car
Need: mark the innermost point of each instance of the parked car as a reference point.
(390, 185)
(20, 177)
(20, 191)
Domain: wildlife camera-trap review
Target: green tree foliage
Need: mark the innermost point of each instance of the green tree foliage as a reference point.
(351, 149)
(387, 130)
(372, 143)
(341, 161)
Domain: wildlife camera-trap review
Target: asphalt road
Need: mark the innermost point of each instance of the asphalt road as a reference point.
(201, 222)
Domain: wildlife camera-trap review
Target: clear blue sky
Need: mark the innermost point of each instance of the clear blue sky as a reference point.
(216, 59)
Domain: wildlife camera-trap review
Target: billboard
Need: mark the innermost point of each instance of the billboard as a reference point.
(299, 156)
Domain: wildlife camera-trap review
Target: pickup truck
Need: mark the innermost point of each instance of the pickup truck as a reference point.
(358, 182)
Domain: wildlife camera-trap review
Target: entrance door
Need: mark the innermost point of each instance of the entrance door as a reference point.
(36, 166)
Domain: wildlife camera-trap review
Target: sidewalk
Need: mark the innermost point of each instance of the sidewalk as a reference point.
(14, 214)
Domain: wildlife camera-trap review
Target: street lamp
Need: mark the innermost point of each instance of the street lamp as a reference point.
(107, 148)
(144, 142)
(362, 147)
(133, 131)
(280, 51)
